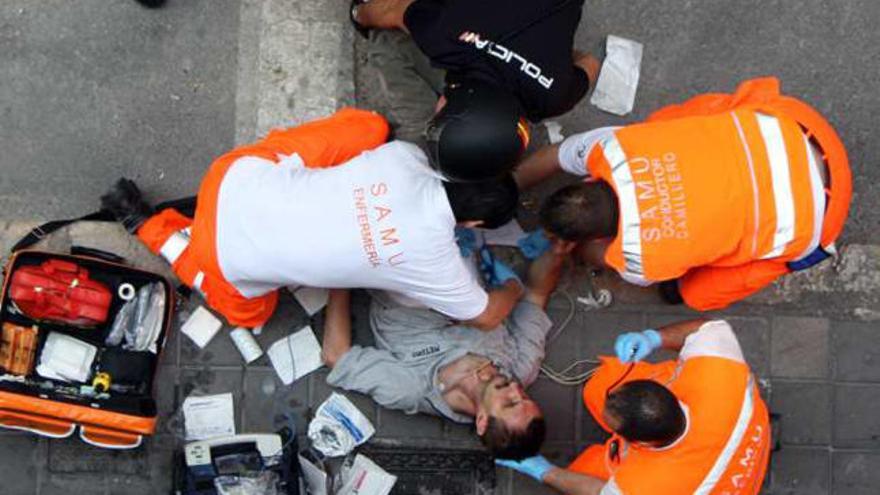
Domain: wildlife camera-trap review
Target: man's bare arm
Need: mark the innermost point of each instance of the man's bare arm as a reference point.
(383, 14)
(571, 483)
(674, 334)
(544, 275)
(501, 302)
(589, 64)
(337, 327)
(538, 167)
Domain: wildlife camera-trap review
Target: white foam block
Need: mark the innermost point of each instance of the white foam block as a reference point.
(615, 91)
(296, 355)
(201, 326)
(312, 299)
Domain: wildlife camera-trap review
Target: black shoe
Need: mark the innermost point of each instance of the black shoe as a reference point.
(362, 30)
(151, 4)
(125, 202)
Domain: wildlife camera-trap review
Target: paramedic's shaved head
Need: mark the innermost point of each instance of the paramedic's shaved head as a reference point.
(581, 212)
(645, 411)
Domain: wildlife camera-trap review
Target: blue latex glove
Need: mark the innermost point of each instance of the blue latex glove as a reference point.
(535, 244)
(495, 273)
(466, 240)
(635, 346)
(537, 467)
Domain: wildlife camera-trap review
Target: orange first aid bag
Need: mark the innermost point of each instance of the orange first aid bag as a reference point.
(87, 287)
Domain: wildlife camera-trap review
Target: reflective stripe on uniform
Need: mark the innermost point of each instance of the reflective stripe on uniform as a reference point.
(630, 221)
(611, 488)
(733, 443)
(780, 173)
(174, 246)
(751, 162)
(817, 187)
(197, 282)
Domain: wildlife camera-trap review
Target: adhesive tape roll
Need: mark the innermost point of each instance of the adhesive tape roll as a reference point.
(126, 292)
(101, 383)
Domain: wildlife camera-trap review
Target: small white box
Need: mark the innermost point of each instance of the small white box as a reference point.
(201, 326)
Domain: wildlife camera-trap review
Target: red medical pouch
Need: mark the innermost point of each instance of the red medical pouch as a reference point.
(62, 292)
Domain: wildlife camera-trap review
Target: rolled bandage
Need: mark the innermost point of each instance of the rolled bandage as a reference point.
(126, 292)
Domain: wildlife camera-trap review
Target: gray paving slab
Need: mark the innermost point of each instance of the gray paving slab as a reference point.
(856, 352)
(754, 338)
(74, 456)
(799, 347)
(19, 469)
(801, 472)
(156, 479)
(208, 381)
(855, 473)
(856, 422)
(806, 412)
(79, 483)
(268, 405)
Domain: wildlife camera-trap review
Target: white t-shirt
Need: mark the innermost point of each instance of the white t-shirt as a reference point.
(575, 149)
(379, 221)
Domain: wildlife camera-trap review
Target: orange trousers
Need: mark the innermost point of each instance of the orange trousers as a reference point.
(189, 244)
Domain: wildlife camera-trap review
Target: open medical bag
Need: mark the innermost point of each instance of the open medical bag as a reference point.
(63, 368)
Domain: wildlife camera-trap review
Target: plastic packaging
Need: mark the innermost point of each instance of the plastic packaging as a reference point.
(339, 427)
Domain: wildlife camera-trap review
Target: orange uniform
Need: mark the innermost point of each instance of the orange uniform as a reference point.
(724, 192)
(190, 244)
(726, 446)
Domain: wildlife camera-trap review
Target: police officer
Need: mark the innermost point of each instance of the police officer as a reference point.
(505, 63)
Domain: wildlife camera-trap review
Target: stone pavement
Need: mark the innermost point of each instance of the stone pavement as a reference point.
(95, 89)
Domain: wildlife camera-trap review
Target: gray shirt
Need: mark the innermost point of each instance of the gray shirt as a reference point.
(413, 344)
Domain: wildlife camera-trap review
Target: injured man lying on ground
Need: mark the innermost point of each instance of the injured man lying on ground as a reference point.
(422, 364)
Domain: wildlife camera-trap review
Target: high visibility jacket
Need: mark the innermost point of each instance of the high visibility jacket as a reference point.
(725, 449)
(722, 191)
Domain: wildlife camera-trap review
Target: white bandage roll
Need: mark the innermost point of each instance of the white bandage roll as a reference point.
(246, 344)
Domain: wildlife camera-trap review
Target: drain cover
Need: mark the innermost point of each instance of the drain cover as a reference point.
(436, 471)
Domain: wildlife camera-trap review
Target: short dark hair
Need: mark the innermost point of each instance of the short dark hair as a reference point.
(492, 201)
(582, 211)
(505, 443)
(648, 412)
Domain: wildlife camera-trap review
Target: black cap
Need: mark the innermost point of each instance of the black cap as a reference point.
(478, 135)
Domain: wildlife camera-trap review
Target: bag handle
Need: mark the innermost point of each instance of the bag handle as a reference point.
(106, 438)
(42, 231)
(97, 253)
(41, 425)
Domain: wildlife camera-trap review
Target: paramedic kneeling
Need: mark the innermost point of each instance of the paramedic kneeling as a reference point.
(697, 425)
(714, 198)
(327, 204)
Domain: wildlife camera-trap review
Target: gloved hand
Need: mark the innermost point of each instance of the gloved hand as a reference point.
(466, 240)
(535, 244)
(495, 273)
(635, 346)
(537, 467)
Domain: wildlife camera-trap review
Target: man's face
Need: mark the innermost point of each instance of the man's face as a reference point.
(506, 400)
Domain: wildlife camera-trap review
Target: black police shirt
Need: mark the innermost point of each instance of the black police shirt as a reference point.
(524, 45)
